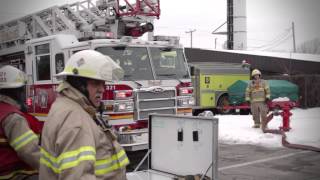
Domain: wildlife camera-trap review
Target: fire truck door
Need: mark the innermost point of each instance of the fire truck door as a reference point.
(43, 71)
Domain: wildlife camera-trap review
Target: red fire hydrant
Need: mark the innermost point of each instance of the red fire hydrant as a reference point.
(286, 117)
(285, 106)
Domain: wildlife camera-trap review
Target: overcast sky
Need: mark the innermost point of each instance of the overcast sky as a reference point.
(267, 20)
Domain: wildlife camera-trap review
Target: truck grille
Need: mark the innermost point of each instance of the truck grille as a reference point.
(150, 101)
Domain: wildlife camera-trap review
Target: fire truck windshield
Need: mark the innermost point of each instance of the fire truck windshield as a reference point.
(134, 61)
(169, 63)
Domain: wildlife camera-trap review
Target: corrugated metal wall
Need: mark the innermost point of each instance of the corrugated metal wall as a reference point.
(269, 65)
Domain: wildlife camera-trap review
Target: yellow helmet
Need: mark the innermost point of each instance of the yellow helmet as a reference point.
(11, 77)
(93, 65)
(255, 72)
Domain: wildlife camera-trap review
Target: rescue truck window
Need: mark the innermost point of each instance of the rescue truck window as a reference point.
(43, 62)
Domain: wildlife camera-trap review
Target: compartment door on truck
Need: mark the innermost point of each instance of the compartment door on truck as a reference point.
(207, 93)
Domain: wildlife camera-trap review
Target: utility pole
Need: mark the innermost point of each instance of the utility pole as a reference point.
(293, 38)
(215, 43)
(191, 31)
(294, 47)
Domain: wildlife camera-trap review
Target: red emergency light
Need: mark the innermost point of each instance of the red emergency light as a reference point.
(140, 30)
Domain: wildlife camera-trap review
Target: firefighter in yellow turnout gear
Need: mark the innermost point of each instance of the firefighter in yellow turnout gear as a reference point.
(76, 144)
(257, 94)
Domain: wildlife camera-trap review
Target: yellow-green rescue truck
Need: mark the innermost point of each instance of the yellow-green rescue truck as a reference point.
(211, 81)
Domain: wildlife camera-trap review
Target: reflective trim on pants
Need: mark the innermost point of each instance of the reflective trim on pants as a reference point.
(259, 110)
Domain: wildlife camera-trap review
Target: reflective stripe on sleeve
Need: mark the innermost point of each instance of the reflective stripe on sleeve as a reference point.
(247, 94)
(12, 174)
(113, 163)
(24, 139)
(268, 92)
(3, 140)
(68, 159)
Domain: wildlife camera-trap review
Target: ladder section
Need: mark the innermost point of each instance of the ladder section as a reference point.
(85, 19)
(132, 7)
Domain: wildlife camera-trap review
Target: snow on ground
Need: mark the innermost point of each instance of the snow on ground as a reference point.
(305, 124)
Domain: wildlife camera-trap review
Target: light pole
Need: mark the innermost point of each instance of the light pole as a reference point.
(191, 31)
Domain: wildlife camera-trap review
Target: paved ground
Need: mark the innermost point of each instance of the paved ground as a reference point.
(248, 162)
(135, 158)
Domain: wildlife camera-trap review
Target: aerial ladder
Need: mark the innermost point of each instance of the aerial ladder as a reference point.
(105, 19)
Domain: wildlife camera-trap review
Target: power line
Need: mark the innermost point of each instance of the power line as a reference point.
(249, 39)
(276, 41)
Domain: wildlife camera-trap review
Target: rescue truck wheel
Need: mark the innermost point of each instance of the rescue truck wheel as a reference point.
(244, 111)
(222, 102)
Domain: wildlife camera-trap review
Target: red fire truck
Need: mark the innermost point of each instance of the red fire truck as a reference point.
(42, 42)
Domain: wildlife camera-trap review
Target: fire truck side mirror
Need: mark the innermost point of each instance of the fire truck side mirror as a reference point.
(192, 69)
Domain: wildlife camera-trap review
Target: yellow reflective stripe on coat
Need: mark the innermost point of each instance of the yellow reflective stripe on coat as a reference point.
(112, 163)
(12, 174)
(258, 100)
(24, 139)
(68, 159)
(258, 90)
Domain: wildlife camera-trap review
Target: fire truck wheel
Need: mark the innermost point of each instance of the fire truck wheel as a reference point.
(244, 111)
(189, 177)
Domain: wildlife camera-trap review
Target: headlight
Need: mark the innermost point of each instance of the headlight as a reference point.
(186, 102)
(122, 106)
